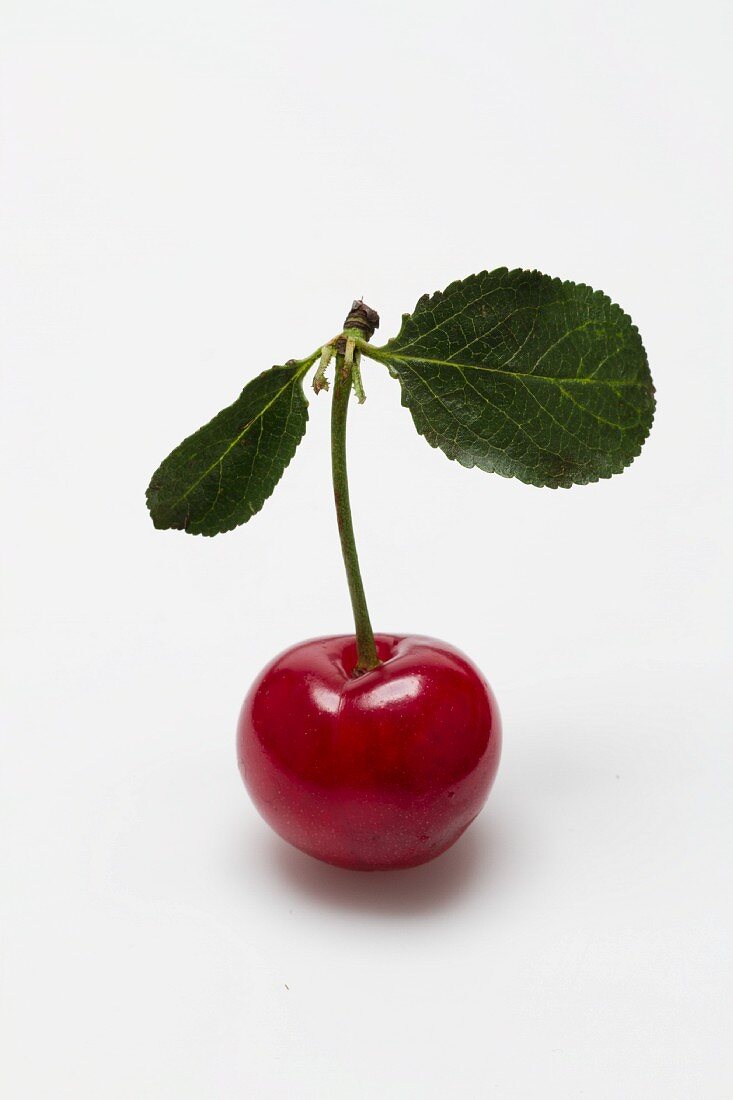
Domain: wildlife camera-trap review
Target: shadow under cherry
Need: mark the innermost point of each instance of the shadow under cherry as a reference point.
(446, 880)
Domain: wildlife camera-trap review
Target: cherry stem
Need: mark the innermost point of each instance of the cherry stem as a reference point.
(366, 650)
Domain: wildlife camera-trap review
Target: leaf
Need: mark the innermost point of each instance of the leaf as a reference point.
(525, 376)
(223, 473)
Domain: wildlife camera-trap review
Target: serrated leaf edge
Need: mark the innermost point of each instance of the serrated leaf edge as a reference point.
(305, 365)
(380, 353)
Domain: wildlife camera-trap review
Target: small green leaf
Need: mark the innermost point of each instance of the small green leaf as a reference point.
(223, 473)
(526, 376)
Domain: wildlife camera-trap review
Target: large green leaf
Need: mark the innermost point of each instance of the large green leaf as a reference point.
(223, 473)
(526, 376)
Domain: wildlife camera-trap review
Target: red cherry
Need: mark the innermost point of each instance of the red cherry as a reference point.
(378, 770)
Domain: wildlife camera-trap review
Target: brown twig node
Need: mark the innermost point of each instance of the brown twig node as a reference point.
(363, 318)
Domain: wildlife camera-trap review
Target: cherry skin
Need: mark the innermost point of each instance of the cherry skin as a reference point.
(370, 771)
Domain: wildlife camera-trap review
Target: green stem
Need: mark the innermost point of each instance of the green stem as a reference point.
(366, 650)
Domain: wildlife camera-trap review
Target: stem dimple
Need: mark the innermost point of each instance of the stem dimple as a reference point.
(366, 649)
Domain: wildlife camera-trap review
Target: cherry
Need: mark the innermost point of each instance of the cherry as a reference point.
(370, 770)
(378, 751)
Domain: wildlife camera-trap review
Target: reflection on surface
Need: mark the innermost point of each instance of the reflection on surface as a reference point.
(324, 697)
(391, 691)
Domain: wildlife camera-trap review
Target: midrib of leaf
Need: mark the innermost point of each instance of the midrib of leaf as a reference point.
(383, 354)
(305, 364)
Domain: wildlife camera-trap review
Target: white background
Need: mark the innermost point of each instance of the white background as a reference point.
(190, 193)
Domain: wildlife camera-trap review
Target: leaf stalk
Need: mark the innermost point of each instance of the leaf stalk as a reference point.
(366, 649)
